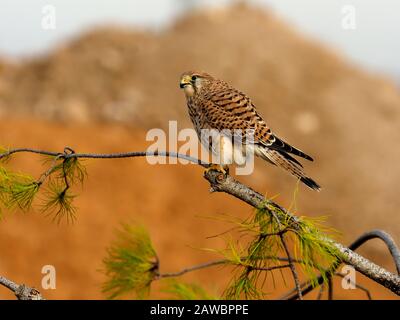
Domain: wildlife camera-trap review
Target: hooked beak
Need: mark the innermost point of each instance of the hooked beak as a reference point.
(185, 81)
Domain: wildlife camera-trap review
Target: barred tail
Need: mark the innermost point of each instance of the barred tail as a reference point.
(286, 162)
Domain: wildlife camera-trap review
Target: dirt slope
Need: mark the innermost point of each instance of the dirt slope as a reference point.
(172, 201)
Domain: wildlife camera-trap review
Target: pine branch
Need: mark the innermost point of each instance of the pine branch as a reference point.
(225, 183)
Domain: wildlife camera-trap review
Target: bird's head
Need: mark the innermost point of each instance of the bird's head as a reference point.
(192, 82)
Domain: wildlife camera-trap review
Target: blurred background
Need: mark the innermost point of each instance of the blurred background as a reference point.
(97, 75)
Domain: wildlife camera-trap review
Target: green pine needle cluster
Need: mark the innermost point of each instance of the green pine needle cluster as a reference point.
(72, 169)
(259, 253)
(312, 250)
(131, 263)
(58, 202)
(19, 191)
(186, 291)
(16, 190)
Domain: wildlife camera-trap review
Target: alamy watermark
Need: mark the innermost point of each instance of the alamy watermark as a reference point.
(223, 147)
(49, 17)
(49, 278)
(349, 277)
(349, 21)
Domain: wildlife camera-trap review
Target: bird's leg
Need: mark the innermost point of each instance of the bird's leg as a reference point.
(225, 168)
(220, 168)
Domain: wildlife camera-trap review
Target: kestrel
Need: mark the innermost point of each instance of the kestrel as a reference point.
(215, 105)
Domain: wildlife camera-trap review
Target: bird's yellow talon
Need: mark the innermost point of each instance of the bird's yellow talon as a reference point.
(217, 167)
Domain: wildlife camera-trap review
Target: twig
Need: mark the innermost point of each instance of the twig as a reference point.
(292, 267)
(106, 155)
(330, 289)
(321, 291)
(22, 292)
(194, 268)
(49, 171)
(281, 234)
(221, 262)
(282, 266)
(367, 292)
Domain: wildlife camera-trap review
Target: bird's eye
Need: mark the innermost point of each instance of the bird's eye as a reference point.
(194, 78)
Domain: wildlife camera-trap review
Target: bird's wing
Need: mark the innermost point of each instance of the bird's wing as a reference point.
(231, 109)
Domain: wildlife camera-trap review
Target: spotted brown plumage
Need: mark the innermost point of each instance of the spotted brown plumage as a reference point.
(214, 104)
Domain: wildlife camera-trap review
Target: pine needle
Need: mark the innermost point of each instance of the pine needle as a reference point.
(58, 203)
(17, 190)
(185, 291)
(131, 263)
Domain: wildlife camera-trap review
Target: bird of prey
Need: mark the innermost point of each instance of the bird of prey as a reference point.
(215, 105)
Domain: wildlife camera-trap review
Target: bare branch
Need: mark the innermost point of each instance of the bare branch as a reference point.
(222, 262)
(22, 292)
(69, 155)
(282, 266)
(194, 268)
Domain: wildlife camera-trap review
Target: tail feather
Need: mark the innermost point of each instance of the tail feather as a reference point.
(290, 158)
(310, 183)
(286, 163)
(282, 146)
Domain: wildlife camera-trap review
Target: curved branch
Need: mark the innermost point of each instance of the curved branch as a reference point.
(394, 251)
(386, 238)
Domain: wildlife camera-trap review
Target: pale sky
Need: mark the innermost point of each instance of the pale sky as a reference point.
(374, 43)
